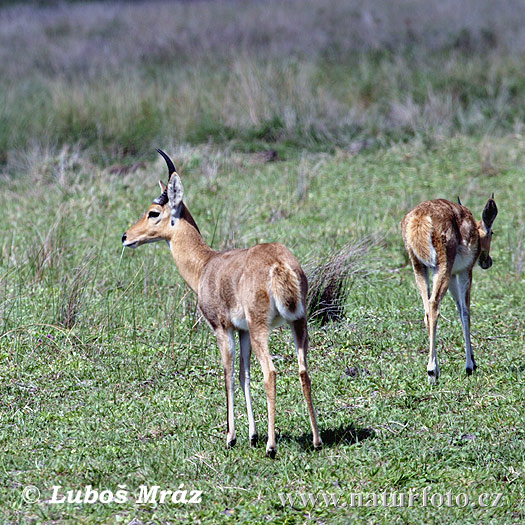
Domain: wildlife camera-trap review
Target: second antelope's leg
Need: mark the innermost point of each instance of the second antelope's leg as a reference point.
(244, 377)
(439, 289)
(259, 333)
(460, 290)
(423, 284)
(300, 334)
(226, 340)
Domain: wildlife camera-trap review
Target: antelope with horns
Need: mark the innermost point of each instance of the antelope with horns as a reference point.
(249, 291)
(443, 236)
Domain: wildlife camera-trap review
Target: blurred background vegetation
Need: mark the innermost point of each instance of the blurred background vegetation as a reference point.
(116, 79)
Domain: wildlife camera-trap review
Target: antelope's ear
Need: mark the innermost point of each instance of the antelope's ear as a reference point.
(175, 195)
(175, 189)
(489, 213)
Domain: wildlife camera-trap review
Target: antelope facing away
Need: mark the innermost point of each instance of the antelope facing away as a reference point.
(249, 291)
(443, 236)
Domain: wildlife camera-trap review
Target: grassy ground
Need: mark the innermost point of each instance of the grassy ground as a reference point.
(109, 379)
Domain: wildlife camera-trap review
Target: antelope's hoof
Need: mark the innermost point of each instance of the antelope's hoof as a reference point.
(318, 446)
(432, 376)
(254, 440)
(231, 443)
(469, 370)
(271, 452)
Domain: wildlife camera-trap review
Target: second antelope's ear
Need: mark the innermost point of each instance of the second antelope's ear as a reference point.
(163, 187)
(489, 213)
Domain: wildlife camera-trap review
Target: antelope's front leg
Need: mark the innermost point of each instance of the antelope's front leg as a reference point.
(226, 341)
(460, 290)
(244, 378)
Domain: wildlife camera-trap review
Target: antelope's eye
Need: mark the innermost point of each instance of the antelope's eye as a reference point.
(153, 213)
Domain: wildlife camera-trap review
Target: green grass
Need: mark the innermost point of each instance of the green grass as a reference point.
(108, 378)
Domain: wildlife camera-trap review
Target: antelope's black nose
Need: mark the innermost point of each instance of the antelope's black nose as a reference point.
(485, 262)
(123, 238)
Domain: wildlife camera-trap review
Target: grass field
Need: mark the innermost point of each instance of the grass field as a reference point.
(108, 378)
(111, 381)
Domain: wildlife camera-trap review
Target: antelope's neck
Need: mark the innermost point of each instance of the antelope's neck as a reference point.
(189, 250)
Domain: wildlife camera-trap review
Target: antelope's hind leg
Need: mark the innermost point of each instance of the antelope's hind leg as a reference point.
(300, 334)
(439, 289)
(423, 284)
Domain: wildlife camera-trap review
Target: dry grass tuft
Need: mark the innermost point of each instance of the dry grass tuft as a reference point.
(332, 277)
(46, 255)
(74, 287)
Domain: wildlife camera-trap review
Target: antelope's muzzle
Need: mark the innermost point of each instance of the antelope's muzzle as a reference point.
(485, 262)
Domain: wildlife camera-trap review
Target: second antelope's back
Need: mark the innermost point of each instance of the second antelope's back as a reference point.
(443, 236)
(438, 232)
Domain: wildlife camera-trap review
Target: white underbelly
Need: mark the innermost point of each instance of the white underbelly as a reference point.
(240, 323)
(463, 261)
(277, 321)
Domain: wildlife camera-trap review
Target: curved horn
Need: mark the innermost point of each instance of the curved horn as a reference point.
(169, 162)
(459, 202)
